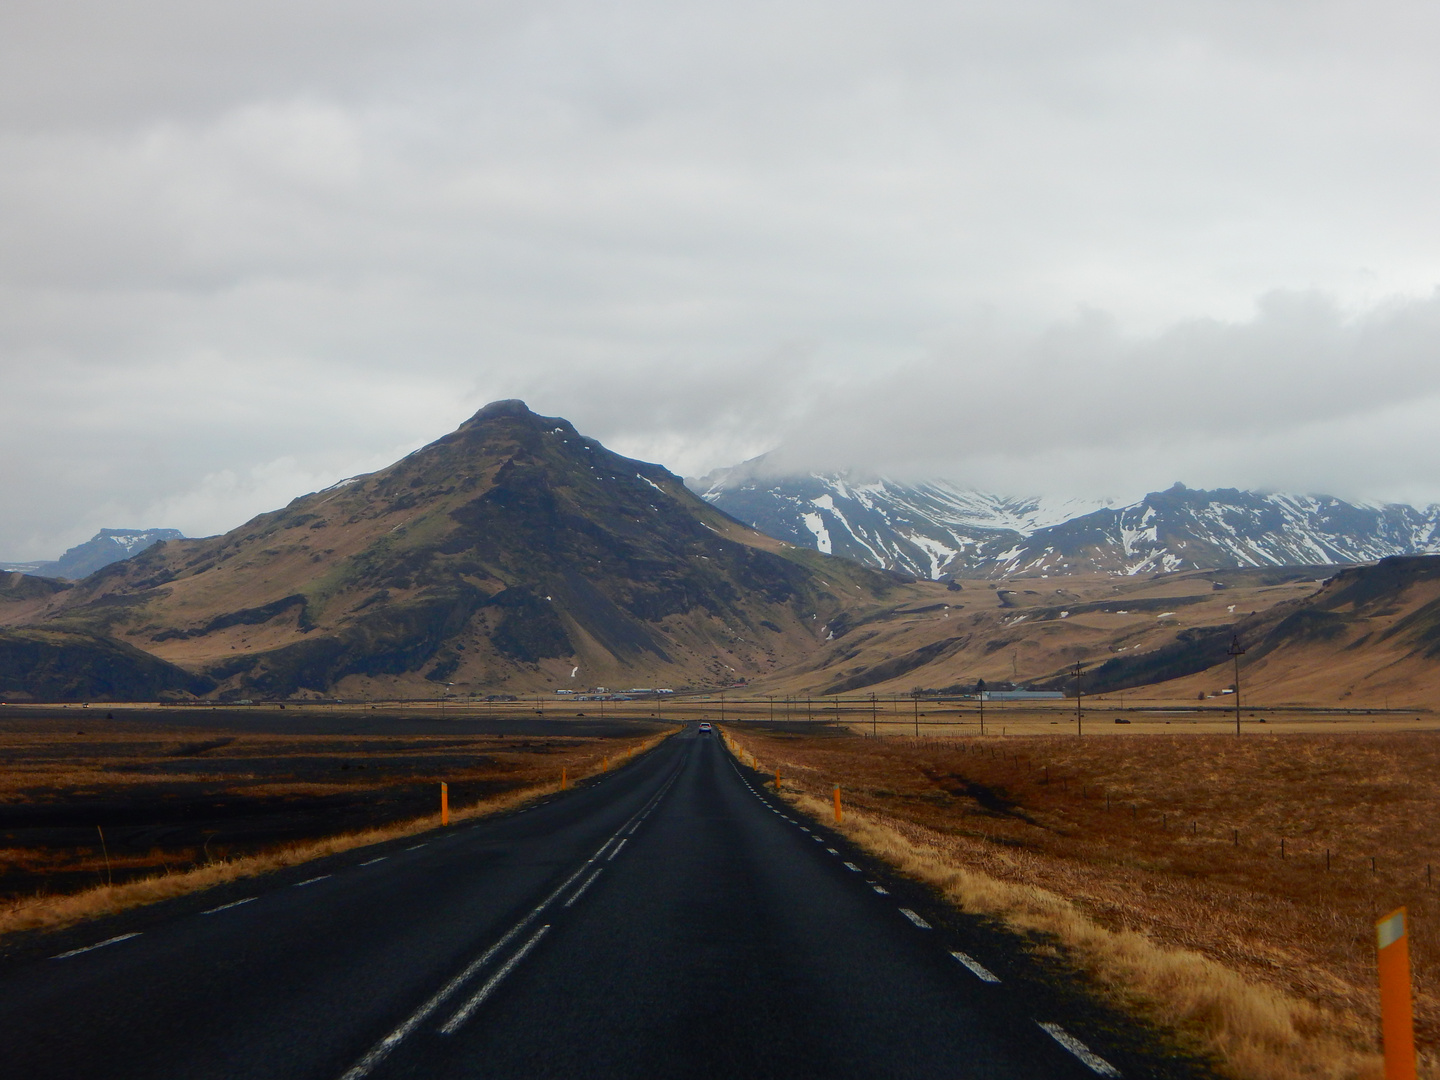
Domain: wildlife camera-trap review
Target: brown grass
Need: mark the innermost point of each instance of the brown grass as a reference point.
(55, 912)
(1268, 963)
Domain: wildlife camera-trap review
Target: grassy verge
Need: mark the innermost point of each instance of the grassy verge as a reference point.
(56, 912)
(1255, 1029)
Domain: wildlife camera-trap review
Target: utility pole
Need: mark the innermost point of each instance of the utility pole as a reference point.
(772, 708)
(1079, 717)
(1236, 650)
(722, 706)
(917, 716)
(980, 696)
(874, 723)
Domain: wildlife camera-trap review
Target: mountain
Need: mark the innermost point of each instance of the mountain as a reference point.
(929, 530)
(1370, 635)
(1181, 529)
(105, 547)
(512, 554)
(938, 530)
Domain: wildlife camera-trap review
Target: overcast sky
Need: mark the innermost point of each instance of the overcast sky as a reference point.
(1066, 248)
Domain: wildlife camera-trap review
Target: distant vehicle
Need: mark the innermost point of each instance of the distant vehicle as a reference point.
(704, 727)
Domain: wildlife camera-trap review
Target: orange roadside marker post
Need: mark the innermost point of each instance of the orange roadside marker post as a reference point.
(564, 779)
(1397, 1021)
(444, 803)
(777, 778)
(837, 822)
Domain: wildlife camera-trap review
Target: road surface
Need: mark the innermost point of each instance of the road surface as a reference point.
(671, 919)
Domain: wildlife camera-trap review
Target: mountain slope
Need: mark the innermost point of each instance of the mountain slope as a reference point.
(1369, 636)
(937, 530)
(511, 554)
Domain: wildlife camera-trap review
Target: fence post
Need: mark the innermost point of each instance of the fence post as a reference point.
(1397, 1022)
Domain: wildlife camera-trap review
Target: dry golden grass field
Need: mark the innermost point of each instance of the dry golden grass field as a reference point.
(1161, 846)
(101, 804)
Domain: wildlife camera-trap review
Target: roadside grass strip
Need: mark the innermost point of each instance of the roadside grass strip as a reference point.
(1083, 1053)
(979, 970)
(97, 945)
(1093, 1060)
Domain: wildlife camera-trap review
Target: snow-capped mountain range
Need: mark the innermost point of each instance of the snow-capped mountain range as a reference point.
(105, 547)
(937, 530)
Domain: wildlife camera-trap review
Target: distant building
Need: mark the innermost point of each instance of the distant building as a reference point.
(1021, 695)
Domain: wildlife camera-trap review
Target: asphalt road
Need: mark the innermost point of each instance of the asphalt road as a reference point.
(668, 920)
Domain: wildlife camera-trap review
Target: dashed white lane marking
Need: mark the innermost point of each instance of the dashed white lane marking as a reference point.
(979, 970)
(309, 881)
(463, 1013)
(372, 862)
(381, 1050)
(97, 945)
(417, 847)
(832, 851)
(818, 839)
(1079, 1049)
(227, 907)
(916, 919)
(803, 829)
(578, 892)
(616, 851)
(384, 1046)
(852, 866)
(879, 888)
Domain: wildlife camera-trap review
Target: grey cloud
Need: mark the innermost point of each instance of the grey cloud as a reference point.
(252, 248)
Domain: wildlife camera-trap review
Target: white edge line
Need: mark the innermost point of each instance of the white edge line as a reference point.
(979, 970)
(616, 851)
(463, 1013)
(97, 945)
(227, 907)
(916, 919)
(1079, 1049)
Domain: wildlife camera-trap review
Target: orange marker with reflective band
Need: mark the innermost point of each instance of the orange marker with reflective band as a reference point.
(837, 816)
(444, 803)
(1397, 1022)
